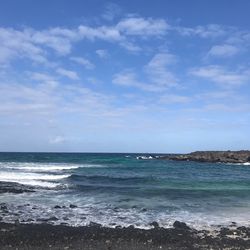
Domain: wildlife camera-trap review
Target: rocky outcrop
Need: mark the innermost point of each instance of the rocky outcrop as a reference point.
(242, 156)
(12, 187)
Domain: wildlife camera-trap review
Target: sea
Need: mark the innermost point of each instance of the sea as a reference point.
(78, 189)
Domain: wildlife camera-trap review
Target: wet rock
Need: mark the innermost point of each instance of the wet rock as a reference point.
(29, 220)
(181, 225)
(72, 206)
(53, 218)
(64, 224)
(154, 224)
(10, 187)
(3, 207)
(47, 219)
(116, 209)
(94, 224)
(57, 207)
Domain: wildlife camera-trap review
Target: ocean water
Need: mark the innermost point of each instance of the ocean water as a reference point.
(120, 189)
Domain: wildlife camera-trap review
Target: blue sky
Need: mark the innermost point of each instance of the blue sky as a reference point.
(124, 76)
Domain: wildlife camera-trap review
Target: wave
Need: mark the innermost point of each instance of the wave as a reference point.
(241, 164)
(32, 179)
(45, 167)
(146, 157)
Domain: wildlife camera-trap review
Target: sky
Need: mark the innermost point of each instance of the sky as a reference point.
(124, 76)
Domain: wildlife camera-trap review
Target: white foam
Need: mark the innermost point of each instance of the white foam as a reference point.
(42, 167)
(36, 167)
(44, 184)
(144, 157)
(242, 164)
(31, 178)
(246, 164)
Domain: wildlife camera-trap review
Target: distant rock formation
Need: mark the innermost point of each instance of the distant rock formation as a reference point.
(242, 156)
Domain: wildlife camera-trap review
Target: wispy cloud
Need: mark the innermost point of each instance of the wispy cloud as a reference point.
(219, 74)
(206, 31)
(102, 53)
(111, 11)
(57, 140)
(68, 73)
(156, 74)
(224, 50)
(158, 71)
(83, 61)
(141, 26)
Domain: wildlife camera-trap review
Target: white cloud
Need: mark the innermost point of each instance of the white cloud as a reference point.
(57, 140)
(83, 61)
(68, 73)
(220, 75)
(158, 72)
(108, 33)
(157, 78)
(206, 31)
(43, 78)
(143, 26)
(102, 53)
(224, 50)
(129, 79)
(17, 44)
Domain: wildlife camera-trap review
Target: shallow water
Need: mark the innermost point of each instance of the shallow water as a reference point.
(119, 189)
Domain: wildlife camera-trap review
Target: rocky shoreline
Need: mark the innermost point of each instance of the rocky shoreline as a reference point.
(239, 157)
(45, 236)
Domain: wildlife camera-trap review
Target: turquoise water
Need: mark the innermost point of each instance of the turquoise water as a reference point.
(119, 189)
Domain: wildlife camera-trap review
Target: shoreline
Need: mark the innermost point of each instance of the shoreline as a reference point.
(94, 236)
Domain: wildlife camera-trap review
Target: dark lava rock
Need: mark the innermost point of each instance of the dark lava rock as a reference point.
(181, 225)
(28, 220)
(72, 206)
(93, 224)
(212, 156)
(3, 207)
(11, 187)
(47, 219)
(154, 224)
(17, 222)
(45, 236)
(131, 227)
